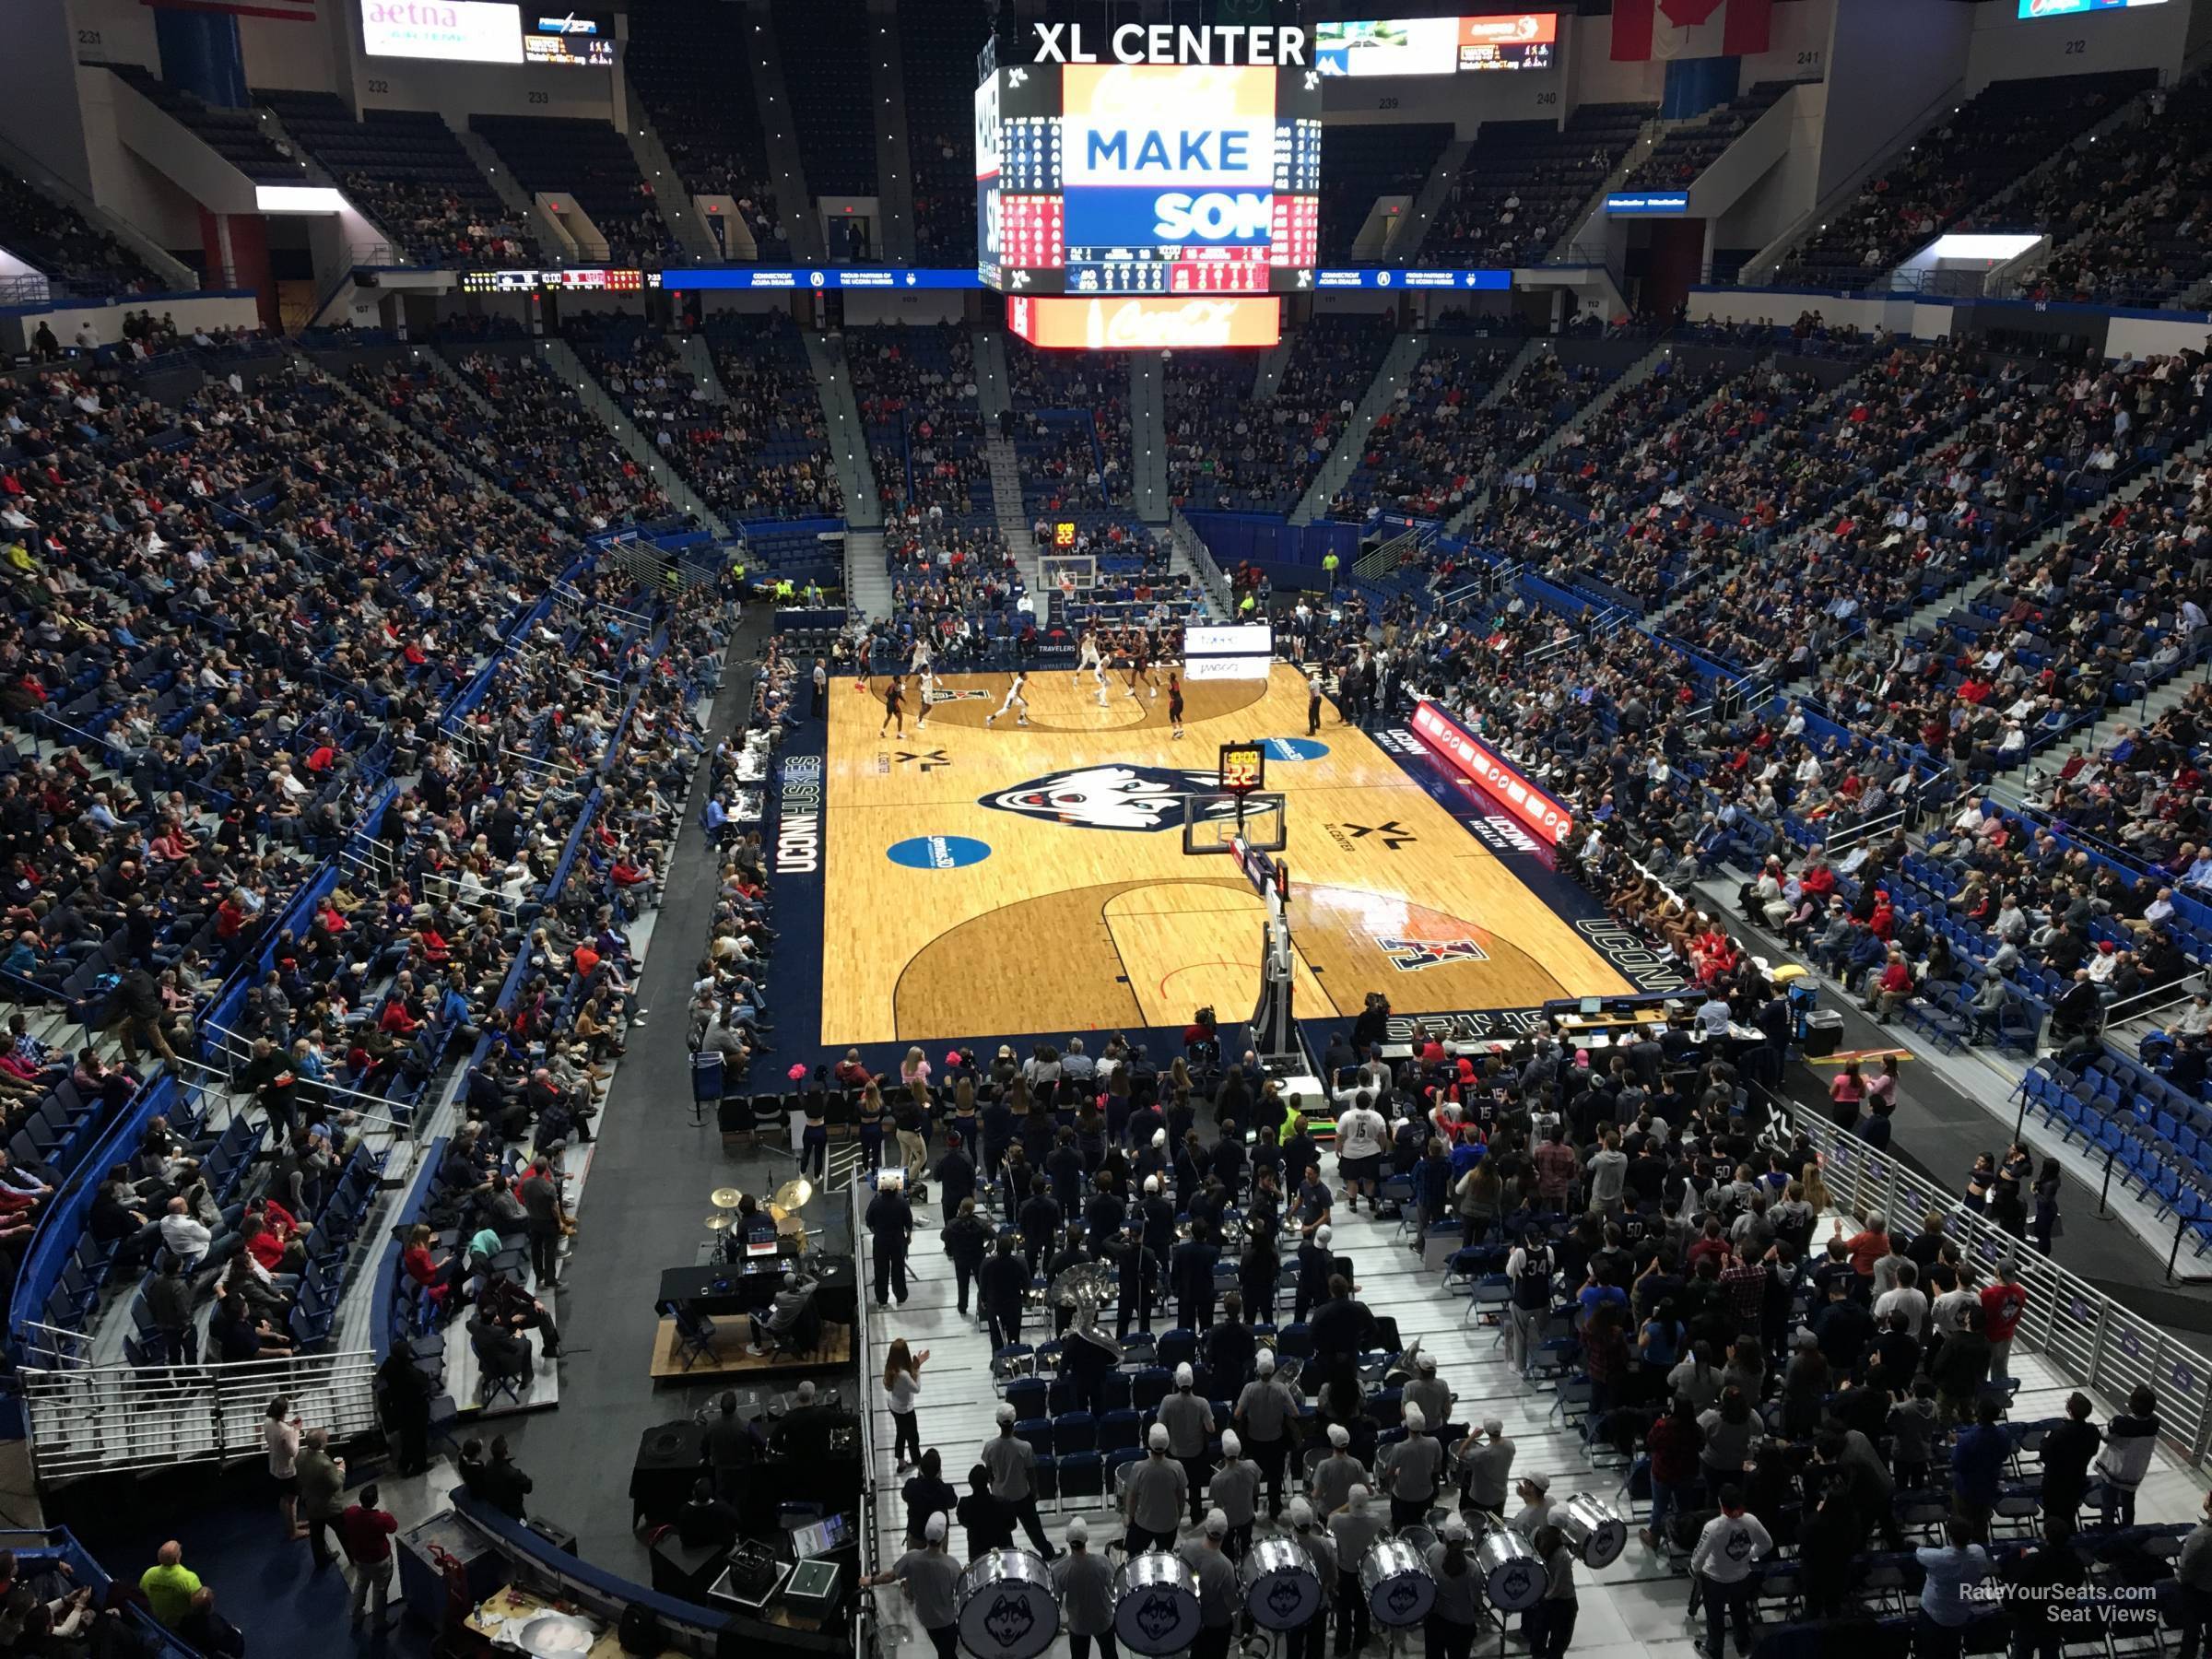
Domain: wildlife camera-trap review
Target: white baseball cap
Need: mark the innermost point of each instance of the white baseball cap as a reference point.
(1264, 1364)
(1216, 1525)
(1415, 1423)
(1182, 1376)
(1004, 1412)
(1322, 1234)
(1158, 1439)
(1077, 1532)
(1231, 1445)
(1454, 1527)
(932, 1529)
(1302, 1512)
(1426, 1363)
(1358, 1495)
(1339, 1436)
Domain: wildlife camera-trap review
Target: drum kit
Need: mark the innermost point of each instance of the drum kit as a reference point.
(1007, 1606)
(783, 1209)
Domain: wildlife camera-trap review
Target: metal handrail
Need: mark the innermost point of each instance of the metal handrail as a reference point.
(2146, 1002)
(2096, 1341)
(1896, 816)
(865, 1644)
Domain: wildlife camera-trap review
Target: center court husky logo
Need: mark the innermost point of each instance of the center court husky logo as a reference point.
(1410, 955)
(1111, 797)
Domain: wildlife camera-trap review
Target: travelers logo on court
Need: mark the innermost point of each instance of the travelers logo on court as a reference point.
(1410, 955)
(1111, 797)
(945, 694)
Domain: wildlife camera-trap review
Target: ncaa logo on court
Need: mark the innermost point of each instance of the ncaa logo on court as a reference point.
(1410, 955)
(939, 852)
(1110, 797)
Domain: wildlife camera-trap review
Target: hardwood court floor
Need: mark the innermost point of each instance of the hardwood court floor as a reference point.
(1046, 887)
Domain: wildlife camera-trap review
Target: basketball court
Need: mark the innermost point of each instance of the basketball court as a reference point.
(1002, 879)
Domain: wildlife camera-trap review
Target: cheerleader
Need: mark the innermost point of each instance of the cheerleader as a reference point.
(1175, 704)
(1015, 700)
(894, 706)
(1089, 656)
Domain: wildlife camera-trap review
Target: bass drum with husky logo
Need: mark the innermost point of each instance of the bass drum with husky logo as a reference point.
(1282, 1590)
(1155, 1605)
(1008, 1609)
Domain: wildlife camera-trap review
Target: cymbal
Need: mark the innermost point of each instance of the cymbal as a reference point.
(717, 1222)
(726, 1197)
(793, 1194)
(776, 1212)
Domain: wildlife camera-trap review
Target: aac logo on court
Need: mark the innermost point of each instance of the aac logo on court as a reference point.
(1410, 955)
(938, 851)
(1110, 797)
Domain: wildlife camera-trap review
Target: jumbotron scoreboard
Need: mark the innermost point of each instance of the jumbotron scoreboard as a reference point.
(1162, 164)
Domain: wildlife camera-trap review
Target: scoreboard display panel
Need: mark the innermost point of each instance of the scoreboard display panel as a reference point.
(1177, 161)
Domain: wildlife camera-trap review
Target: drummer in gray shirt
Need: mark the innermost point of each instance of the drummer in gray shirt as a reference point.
(1428, 1391)
(1536, 1507)
(1189, 1421)
(1355, 1527)
(1459, 1604)
(1218, 1603)
(1265, 1410)
(1086, 1585)
(1410, 1469)
(1335, 1475)
(1486, 1463)
(931, 1580)
(1234, 1491)
(1152, 1501)
(1315, 1540)
(1013, 1465)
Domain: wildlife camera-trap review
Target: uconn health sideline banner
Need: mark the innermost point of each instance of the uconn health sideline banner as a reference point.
(1533, 809)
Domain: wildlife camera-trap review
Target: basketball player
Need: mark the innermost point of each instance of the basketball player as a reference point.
(1016, 698)
(1089, 656)
(894, 706)
(1175, 704)
(919, 666)
(1140, 659)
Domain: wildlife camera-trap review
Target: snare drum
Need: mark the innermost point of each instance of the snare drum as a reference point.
(1155, 1605)
(1009, 1607)
(1593, 1530)
(1395, 1579)
(1512, 1574)
(1282, 1590)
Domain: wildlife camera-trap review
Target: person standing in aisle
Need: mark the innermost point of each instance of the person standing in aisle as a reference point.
(1953, 1568)
(1727, 1550)
(890, 1223)
(901, 1384)
(1013, 1465)
(321, 1482)
(931, 1580)
(366, 1531)
(1086, 1585)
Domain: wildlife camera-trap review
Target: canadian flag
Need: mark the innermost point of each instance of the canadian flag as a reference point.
(1689, 29)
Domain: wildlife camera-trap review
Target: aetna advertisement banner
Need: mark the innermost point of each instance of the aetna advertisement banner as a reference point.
(458, 31)
(1481, 765)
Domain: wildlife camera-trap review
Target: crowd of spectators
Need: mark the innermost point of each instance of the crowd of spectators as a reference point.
(756, 451)
(1417, 458)
(532, 435)
(64, 246)
(2128, 216)
(1981, 147)
(1525, 184)
(916, 390)
(435, 224)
